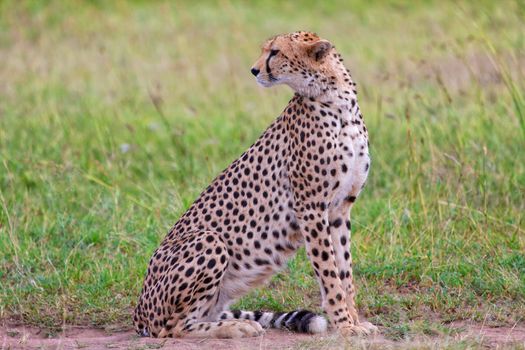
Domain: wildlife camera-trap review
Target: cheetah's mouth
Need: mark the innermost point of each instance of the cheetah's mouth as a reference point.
(267, 80)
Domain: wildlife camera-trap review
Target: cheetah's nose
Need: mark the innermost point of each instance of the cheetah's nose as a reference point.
(255, 71)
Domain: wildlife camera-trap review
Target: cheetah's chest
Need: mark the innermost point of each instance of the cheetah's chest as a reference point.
(354, 158)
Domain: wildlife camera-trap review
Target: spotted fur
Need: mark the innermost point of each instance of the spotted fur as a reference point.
(293, 187)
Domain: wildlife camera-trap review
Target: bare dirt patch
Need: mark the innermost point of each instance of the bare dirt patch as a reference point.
(23, 337)
(89, 338)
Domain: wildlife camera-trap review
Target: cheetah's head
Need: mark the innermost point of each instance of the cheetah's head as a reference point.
(300, 60)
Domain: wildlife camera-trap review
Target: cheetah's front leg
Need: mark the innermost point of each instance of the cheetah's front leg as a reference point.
(340, 232)
(320, 250)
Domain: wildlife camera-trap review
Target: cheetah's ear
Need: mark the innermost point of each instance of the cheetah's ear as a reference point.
(319, 49)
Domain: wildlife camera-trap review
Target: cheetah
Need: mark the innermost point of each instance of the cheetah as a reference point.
(294, 187)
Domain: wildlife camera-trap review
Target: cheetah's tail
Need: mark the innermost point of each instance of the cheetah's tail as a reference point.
(303, 321)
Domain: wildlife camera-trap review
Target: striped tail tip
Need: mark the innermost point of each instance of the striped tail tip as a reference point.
(318, 324)
(303, 321)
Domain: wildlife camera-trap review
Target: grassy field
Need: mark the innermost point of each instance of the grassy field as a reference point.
(115, 115)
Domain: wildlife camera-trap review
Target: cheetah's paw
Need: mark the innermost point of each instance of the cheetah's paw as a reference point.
(355, 330)
(241, 329)
(372, 329)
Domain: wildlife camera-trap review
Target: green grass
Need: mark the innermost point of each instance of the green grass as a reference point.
(115, 115)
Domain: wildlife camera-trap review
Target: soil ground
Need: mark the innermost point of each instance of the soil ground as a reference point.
(465, 336)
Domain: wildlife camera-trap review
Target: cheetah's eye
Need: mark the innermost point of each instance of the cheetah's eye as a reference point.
(273, 52)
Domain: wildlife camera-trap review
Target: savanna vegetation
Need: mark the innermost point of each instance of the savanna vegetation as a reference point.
(115, 115)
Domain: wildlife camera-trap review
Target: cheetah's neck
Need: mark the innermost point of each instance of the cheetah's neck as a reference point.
(333, 87)
(340, 101)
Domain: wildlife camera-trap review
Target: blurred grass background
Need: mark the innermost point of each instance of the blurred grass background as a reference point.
(115, 115)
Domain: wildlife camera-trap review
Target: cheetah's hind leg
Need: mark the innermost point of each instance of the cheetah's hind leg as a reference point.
(193, 296)
(302, 321)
